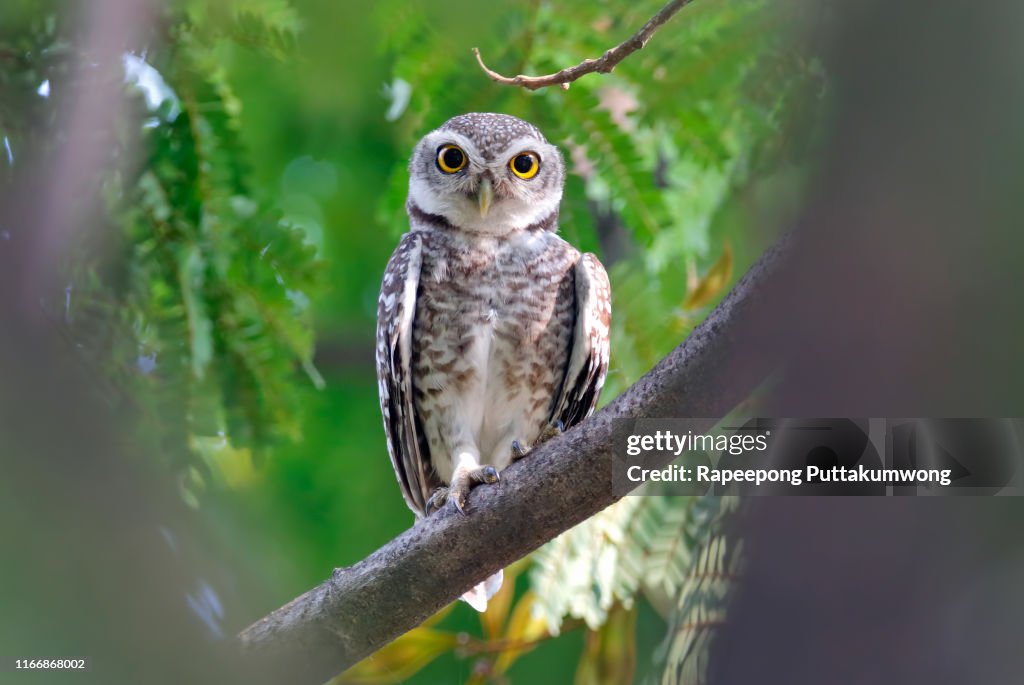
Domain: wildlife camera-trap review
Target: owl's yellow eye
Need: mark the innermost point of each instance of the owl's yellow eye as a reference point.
(450, 158)
(525, 165)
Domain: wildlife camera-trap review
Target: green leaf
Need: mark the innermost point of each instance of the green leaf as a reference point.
(191, 267)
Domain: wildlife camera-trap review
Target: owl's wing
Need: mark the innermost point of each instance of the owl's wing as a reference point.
(395, 311)
(588, 360)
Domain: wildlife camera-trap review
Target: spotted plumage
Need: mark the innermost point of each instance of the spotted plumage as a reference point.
(490, 328)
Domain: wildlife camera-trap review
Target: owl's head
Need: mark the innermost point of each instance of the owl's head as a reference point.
(489, 174)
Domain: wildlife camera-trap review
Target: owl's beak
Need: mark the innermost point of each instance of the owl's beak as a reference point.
(484, 195)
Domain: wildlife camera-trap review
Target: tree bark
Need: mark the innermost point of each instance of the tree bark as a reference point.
(566, 480)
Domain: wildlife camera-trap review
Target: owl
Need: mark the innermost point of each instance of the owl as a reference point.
(492, 331)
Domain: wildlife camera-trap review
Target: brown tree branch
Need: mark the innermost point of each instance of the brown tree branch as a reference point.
(568, 479)
(603, 64)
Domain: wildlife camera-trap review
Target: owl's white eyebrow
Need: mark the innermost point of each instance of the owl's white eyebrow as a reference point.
(524, 144)
(452, 138)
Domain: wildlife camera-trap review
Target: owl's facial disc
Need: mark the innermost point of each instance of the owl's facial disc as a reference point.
(487, 174)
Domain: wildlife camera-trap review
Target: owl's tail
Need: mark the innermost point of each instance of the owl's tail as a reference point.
(478, 596)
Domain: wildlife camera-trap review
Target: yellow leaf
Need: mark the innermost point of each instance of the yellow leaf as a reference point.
(524, 628)
(713, 282)
(233, 466)
(498, 606)
(609, 654)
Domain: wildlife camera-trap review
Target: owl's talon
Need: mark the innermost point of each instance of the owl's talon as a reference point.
(436, 500)
(457, 493)
(556, 427)
(486, 475)
(518, 450)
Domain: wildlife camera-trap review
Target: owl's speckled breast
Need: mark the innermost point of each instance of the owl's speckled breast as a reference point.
(491, 340)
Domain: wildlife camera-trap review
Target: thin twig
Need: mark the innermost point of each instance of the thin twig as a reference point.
(603, 64)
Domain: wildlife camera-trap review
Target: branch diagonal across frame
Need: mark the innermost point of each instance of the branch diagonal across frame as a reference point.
(568, 479)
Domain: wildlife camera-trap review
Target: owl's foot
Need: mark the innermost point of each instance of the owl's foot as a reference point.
(521, 449)
(554, 428)
(462, 483)
(436, 500)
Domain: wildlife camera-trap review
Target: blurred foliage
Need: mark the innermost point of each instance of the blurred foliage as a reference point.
(198, 314)
(700, 600)
(261, 156)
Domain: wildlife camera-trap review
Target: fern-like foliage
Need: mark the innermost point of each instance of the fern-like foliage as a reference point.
(642, 544)
(578, 573)
(197, 308)
(702, 597)
(677, 551)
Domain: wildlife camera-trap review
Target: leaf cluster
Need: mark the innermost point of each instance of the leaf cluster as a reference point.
(196, 308)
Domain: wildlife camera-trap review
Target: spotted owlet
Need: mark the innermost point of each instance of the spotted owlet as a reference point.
(491, 330)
